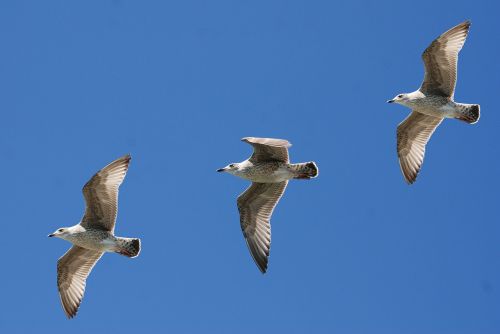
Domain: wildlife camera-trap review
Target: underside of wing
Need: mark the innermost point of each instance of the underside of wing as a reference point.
(412, 136)
(440, 61)
(268, 149)
(73, 269)
(101, 195)
(256, 206)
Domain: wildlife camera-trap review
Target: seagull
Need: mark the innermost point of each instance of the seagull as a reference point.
(433, 101)
(269, 169)
(94, 235)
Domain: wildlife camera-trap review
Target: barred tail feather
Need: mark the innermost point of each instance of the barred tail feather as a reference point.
(306, 170)
(470, 113)
(130, 247)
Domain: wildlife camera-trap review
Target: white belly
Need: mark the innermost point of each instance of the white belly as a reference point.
(279, 175)
(108, 245)
(447, 110)
(282, 174)
(93, 241)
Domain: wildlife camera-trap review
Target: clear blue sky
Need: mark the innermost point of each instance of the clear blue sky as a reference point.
(177, 85)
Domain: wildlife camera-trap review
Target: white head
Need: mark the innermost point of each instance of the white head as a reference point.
(407, 99)
(400, 99)
(231, 168)
(63, 233)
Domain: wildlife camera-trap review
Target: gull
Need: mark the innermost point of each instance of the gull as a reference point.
(433, 101)
(269, 169)
(94, 235)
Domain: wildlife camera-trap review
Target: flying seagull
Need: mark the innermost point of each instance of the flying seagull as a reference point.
(433, 101)
(269, 169)
(94, 235)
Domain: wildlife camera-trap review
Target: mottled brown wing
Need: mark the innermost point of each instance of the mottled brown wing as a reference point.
(73, 269)
(440, 61)
(413, 134)
(268, 149)
(101, 195)
(256, 206)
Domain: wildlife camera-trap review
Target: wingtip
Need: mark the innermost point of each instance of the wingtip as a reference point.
(126, 159)
(70, 316)
(260, 261)
(410, 178)
(71, 313)
(410, 181)
(69, 310)
(255, 140)
(465, 26)
(262, 265)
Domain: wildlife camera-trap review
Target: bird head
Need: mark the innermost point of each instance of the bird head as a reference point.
(60, 233)
(400, 99)
(231, 168)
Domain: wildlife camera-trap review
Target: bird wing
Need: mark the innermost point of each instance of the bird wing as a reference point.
(268, 149)
(101, 195)
(256, 206)
(72, 271)
(413, 134)
(440, 61)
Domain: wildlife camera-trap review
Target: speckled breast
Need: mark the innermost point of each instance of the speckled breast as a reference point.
(268, 172)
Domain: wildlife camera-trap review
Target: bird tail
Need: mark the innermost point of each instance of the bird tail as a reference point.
(130, 247)
(469, 113)
(305, 170)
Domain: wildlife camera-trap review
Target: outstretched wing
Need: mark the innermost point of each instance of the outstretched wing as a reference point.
(256, 206)
(101, 195)
(73, 269)
(440, 61)
(268, 149)
(413, 134)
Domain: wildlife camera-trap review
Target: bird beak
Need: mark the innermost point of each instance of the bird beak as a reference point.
(390, 101)
(221, 170)
(51, 235)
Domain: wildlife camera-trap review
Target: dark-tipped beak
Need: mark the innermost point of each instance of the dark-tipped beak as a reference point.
(390, 101)
(50, 235)
(221, 170)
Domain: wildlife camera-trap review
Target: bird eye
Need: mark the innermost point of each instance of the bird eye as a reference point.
(400, 95)
(60, 230)
(231, 165)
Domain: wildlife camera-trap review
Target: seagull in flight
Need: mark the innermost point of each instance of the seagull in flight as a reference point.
(269, 169)
(94, 235)
(433, 101)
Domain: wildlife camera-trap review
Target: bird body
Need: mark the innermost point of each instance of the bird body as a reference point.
(92, 239)
(435, 105)
(99, 240)
(433, 101)
(93, 236)
(269, 169)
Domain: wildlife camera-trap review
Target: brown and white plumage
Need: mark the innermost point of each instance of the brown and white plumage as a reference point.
(256, 206)
(412, 136)
(268, 149)
(440, 61)
(101, 195)
(73, 269)
(433, 101)
(269, 169)
(94, 235)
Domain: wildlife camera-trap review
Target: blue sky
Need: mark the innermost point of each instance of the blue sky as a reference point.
(177, 84)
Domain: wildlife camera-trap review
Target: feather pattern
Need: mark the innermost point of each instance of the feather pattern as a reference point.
(256, 205)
